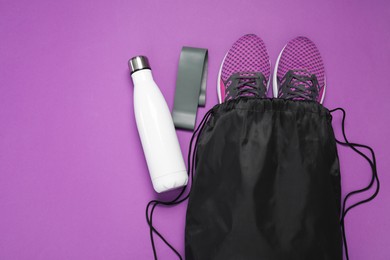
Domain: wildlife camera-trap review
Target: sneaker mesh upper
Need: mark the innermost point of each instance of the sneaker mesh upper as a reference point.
(302, 54)
(248, 54)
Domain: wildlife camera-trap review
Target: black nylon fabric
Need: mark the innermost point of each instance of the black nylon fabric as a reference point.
(267, 184)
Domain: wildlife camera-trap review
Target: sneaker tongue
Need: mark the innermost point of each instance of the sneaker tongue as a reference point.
(247, 83)
(246, 74)
(304, 73)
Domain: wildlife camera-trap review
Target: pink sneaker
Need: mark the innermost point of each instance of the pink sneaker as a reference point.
(299, 72)
(245, 70)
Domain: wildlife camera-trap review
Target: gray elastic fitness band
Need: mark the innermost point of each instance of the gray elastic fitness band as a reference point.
(190, 87)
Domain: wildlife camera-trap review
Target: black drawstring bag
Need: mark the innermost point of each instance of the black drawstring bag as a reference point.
(267, 184)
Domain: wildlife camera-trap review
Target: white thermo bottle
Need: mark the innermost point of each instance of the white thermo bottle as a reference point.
(156, 130)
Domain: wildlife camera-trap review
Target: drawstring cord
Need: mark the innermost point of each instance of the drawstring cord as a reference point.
(374, 178)
(177, 200)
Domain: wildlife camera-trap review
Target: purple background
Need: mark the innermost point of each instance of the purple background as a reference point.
(73, 179)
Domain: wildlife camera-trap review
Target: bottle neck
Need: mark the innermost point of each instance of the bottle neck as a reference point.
(142, 76)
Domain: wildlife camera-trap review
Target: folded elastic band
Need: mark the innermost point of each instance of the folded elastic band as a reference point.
(190, 87)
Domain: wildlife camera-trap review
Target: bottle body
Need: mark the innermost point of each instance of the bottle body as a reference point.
(157, 133)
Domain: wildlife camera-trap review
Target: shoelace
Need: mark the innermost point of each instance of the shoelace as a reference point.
(374, 178)
(179, 198)
(299, 85)
(246, 84)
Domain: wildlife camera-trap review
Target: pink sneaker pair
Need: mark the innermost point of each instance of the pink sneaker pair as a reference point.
(299, 72)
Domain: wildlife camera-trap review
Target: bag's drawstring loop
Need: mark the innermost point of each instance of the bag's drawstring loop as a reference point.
(178, 199)
(374, 178)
